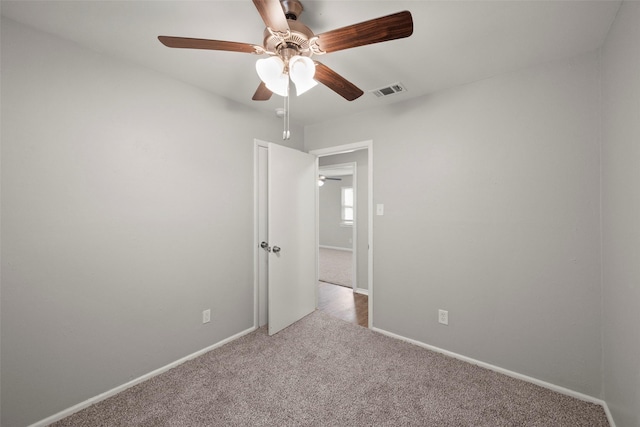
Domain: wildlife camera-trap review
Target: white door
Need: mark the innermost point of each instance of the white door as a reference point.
(292, 185)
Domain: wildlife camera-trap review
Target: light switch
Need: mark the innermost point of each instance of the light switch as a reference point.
(379, 209)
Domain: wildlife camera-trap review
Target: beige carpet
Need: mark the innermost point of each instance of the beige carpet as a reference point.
(336, 267)
(323, 371)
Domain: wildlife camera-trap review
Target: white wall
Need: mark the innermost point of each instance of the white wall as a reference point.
(491, 194)
(621, 216)
(119, 225)
(330, 232)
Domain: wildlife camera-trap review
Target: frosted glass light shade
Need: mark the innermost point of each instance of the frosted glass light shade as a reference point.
(302, 69)
(271, 72)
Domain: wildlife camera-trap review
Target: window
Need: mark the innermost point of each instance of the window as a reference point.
(347, 206)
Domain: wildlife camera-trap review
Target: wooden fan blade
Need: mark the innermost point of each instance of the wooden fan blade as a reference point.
(262, 93)
(189, 43)
(336, 82)
(390, 27)
(272, 14)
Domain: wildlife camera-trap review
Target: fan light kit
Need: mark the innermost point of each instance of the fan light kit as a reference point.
(273, 72)
(290, 45)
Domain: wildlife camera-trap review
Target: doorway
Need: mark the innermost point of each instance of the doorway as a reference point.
(263, 309)
(360, 294)
(337, 223)
(338, 291)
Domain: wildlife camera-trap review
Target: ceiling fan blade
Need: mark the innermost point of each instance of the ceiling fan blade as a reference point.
(189, 43)
(336, 82)
(272, 14)
(262, 93)
(390, 27)
(334, 179)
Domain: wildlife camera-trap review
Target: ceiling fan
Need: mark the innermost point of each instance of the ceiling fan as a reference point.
(323, 178)
(291, 44)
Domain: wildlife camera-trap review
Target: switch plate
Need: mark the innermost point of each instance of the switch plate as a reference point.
(206, 316)
(443, 317)
(380, 209)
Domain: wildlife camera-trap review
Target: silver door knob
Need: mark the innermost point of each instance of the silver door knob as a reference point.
(265, 246)
(276, 249)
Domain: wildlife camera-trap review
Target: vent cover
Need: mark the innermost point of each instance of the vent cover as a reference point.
(389, 90)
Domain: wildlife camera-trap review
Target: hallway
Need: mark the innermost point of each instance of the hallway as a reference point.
(343, 303)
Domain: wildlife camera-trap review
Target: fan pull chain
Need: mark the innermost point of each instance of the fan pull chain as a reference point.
(286, 134)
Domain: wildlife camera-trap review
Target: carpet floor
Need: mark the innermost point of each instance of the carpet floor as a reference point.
(324, 371)
(335, 267)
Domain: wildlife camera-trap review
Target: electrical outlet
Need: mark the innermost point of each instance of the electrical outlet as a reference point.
(206, 316)
(443, 317)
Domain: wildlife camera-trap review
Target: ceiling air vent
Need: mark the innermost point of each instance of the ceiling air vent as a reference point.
(389, 90)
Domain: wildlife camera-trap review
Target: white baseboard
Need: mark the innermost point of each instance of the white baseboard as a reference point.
(80, 406)
(361, 291)
(612, 423)
(553, 387)
(336, 248)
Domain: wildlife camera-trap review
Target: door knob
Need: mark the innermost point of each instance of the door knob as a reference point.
(265, 246)
(276, 249)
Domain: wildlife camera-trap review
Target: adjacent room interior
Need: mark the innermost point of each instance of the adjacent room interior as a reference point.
(503, 171)
(342, 217)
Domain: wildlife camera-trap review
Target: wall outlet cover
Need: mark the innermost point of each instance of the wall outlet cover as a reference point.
(443, 317)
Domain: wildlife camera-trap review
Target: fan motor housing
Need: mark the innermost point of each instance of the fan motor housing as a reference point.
(292, 8)
(297, 38)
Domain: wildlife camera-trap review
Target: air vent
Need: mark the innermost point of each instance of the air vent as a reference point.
(389, 90)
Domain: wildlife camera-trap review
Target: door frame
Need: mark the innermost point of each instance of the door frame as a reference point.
(347, 148)
(354, 229)
(257, 144)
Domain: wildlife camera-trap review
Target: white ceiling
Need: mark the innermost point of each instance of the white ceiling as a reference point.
(454, 42)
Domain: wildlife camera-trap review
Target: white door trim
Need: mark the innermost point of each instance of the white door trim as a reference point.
(256, 237)
(346, 148)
